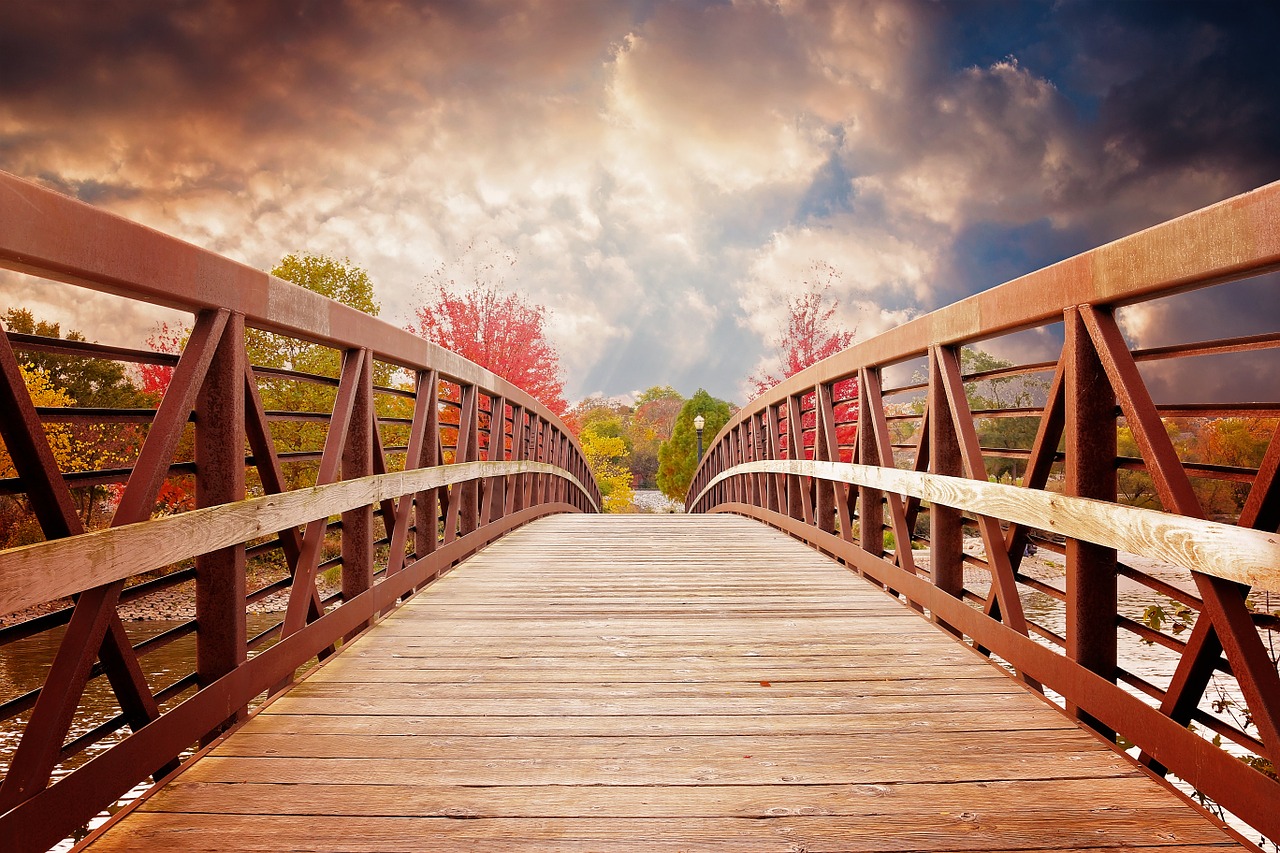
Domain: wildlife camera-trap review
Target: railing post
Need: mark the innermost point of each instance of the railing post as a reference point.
(357, 461)
(494, 498)
(426, 505)
(825, 448)
(797, 503)
(946, 554)
(870, 501)
(515, 500)
(1091, 473)
(220, 478)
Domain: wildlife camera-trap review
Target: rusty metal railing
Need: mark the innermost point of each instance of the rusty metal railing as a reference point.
(380, 468)
(881, 448)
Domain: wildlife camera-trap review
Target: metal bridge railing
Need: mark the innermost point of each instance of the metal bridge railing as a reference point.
(286, 472)
(881, 448)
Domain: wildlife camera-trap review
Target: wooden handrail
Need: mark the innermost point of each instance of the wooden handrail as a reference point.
(113, 554)
(1238, 554)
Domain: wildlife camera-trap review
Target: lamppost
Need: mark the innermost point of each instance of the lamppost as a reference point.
(698, 423)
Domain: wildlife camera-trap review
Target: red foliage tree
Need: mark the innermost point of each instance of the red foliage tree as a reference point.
(155, 378)
(811, 332)
(498, 330)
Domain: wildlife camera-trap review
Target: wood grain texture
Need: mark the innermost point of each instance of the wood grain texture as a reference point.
(530, 701)
(1250, 557)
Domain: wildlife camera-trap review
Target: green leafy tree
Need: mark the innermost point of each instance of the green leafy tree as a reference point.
(91, 382)
(991, 392)
(678, 457)
(1002, 392)
(343, 282)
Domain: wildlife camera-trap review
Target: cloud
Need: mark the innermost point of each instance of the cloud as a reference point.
(662, 169)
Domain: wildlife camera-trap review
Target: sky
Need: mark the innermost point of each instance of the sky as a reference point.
(664, 173)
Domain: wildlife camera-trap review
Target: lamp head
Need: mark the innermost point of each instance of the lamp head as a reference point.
(699, 422)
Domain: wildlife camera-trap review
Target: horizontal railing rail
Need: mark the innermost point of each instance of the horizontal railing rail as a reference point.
(1223, 550)
(103, 556)
(881, 455)
(285, 452)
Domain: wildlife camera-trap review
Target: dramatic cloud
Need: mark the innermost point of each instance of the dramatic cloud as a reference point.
(664, 171)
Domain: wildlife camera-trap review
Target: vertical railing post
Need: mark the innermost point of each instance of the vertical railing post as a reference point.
(357, 461)
(946, 554)
(1090, 473)
(220, 479)
(797, 507)
(519, 452)
(426, 504)
(825, 448)
(494, 497)
(776, 495)
(870, 501)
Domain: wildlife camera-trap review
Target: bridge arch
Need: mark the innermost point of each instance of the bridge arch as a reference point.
(398, 484)
(862, 460)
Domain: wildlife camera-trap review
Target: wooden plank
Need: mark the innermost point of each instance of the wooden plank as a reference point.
(1007, 830)
(760, 801)
(532, 693)
(1008, 721)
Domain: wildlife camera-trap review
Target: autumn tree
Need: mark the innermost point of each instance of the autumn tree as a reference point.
(607, 450)
(1234, 442)
(810, 331)
(652, 420)
(469, 311)
(340, 280)
(86, 382)
(678, 457)
(18, 525)
(91, 382)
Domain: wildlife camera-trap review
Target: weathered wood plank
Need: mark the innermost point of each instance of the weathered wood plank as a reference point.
(1020, 830)
(640, 801)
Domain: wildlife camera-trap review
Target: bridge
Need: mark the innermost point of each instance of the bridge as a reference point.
(836, 649)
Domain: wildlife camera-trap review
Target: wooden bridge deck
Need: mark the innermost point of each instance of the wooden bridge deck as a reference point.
(658, 683)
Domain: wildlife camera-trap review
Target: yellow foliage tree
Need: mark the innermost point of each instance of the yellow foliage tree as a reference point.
(606, 456)
(44, 393)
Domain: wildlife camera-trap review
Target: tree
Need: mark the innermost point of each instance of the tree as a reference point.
(1001, 392)
(607, 450)
(87, 382)
(1238, 442)
(18, 525)
(344, 282)
(501, 331)
(340, 280)
(652, 421)
(91, 382)
(678, 457)
(811, 331)
(984, 393)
